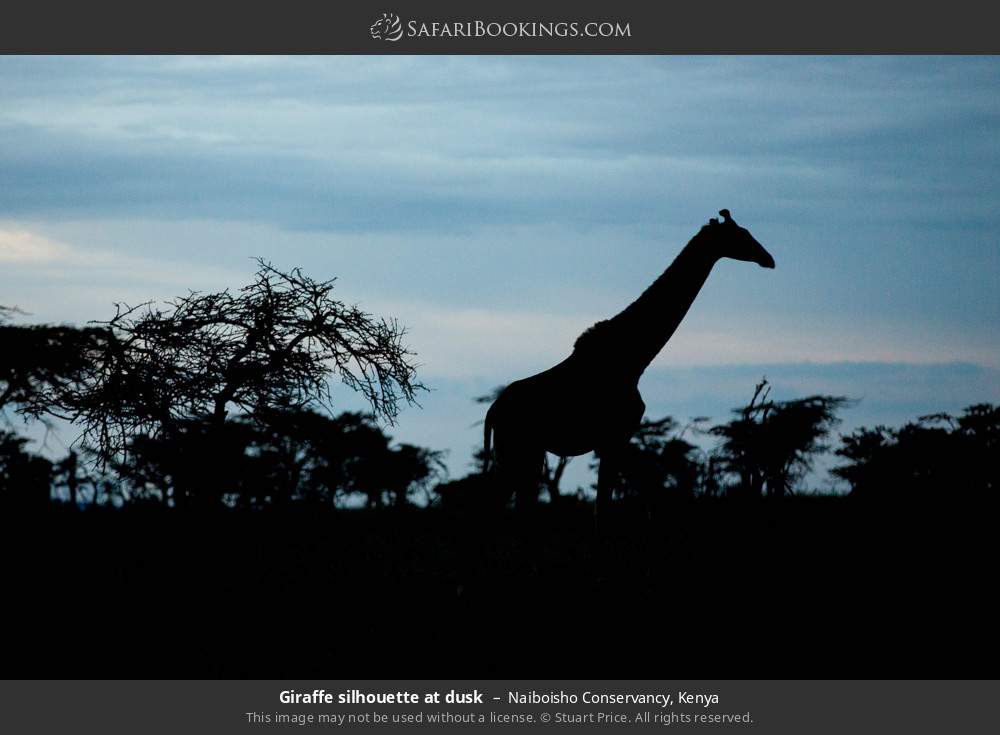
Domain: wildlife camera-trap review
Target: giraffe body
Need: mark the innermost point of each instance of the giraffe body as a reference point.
(568, 426)
(590, 401)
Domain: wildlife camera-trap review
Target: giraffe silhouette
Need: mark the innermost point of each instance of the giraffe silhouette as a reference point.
(590, 401)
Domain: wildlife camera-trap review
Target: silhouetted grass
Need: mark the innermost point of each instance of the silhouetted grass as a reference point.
(801, 586)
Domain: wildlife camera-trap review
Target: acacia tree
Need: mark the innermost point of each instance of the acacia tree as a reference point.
(271, 347)
(770, 445)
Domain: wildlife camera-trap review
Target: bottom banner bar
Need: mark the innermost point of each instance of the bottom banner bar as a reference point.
(779, 707)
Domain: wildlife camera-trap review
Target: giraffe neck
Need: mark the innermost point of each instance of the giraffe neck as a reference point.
(651, 320)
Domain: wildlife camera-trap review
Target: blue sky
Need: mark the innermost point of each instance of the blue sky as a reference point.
(499, 205)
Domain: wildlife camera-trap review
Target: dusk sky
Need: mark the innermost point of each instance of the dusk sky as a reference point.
(497, 206)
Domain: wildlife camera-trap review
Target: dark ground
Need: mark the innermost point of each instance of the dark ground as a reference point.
(799, 588)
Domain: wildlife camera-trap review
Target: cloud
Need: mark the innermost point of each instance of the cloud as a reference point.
(54, 280)
(23, 247)
(427, 142)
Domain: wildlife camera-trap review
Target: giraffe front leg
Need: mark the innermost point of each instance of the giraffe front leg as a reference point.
(607, 478)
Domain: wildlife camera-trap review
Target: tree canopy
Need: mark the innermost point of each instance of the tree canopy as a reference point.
(272, 346)
(771, 445)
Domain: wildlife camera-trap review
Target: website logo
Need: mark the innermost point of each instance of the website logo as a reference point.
(387, 28)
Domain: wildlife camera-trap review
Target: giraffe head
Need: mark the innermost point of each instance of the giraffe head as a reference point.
(729, 240)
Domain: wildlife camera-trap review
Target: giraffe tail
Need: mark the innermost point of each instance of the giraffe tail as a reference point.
(487, 433)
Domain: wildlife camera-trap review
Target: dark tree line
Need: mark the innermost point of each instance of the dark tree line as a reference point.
(299, 457)
(927, 459)
(292, 457)
(770, 447)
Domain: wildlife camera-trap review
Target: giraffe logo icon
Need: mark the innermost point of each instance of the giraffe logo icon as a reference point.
(387, 28)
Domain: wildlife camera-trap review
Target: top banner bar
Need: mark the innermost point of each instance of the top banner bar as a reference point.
(512, 27)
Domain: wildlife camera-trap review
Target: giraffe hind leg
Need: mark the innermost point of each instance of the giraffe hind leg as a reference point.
(518, 472)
